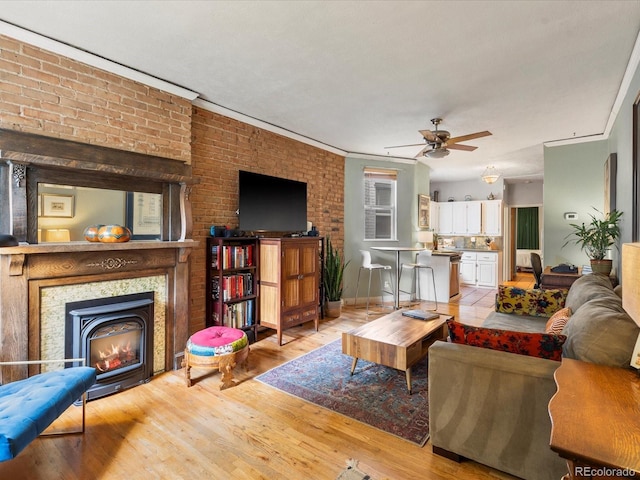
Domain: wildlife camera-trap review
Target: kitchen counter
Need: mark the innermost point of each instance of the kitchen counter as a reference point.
(460, 250)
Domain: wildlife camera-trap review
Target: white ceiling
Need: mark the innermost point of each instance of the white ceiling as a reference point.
(362, 75)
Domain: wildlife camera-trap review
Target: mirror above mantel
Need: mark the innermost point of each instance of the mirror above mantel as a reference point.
(65, 211)
(58, 185)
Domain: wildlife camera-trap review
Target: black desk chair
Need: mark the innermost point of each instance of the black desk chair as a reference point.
(536, 264)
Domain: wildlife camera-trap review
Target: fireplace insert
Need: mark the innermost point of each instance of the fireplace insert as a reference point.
(114, 335)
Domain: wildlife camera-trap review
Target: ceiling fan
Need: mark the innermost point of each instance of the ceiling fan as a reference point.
(439, 142)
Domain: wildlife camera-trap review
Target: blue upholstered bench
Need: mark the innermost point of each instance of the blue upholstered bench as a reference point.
(29, 406)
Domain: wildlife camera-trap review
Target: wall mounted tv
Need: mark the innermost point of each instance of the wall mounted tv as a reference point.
(271, 204)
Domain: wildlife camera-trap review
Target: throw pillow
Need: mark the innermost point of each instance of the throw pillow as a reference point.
(542, 345)
(558, 320)
(533, 302)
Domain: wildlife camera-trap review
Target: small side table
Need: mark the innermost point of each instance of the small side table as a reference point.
(595, 420)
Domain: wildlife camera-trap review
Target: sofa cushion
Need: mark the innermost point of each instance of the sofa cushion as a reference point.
(601, 332)
(519, 323)
(540, 345)
(558, 320)
(586, 288)
(533, 302)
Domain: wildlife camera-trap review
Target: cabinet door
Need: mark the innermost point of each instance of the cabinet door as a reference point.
(468, 272)
(492, 217)
(487, 274)
(459, 217)
(434, 216)
(299, 275)
(445, 218)
(309, 273)
(474, 218)
(291, 276)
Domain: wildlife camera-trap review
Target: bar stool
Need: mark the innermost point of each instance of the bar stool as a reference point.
(370, 267)
(420, 265)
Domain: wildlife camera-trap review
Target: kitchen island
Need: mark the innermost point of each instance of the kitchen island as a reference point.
(445, 268)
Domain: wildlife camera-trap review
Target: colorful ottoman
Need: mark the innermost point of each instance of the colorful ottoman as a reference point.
(216, 347)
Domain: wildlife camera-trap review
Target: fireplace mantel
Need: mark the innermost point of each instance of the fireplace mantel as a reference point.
(26, 269)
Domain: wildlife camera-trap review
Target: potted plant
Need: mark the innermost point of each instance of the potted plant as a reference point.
(596, 238)
(334, 266)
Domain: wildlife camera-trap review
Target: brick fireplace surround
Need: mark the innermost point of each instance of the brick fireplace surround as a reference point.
(31, 273)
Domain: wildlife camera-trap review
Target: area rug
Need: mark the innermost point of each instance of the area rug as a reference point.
(375, 395)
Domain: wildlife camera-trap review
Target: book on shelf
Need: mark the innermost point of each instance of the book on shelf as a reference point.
(235, 315)
(237, 256)
(237, 286)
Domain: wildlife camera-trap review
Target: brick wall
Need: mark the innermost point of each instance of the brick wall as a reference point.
(52, 95)
(221, 147)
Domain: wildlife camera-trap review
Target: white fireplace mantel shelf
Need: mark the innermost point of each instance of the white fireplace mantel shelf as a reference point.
(70, 247)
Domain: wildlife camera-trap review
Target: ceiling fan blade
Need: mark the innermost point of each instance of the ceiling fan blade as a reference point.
(471, 136)
(466, 148)
(410, 145)
(429, 136)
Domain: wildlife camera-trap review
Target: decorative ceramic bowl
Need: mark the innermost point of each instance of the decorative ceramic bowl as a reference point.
(91, 233)
(114, 234)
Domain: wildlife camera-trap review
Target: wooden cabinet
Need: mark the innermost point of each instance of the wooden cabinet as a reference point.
(492, 217)
(289, 271)
(232, 281)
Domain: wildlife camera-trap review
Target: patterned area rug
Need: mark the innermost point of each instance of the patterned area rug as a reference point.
(374, 395)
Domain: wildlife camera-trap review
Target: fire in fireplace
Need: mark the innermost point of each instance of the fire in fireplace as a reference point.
(114, 335)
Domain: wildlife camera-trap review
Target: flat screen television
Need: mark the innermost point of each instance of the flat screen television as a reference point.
(271, 204)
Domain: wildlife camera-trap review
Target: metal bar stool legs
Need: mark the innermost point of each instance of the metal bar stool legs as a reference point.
(370, 267)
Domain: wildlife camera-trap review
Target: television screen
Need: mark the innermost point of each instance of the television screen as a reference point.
(272, 204)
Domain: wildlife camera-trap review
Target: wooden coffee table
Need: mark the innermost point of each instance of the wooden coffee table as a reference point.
(394, 340)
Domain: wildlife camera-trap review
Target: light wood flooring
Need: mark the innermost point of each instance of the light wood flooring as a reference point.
(164, 430)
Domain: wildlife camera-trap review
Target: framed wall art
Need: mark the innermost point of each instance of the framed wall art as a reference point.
(423, 211)
(144, 215)
(610, 172)
(57, 205)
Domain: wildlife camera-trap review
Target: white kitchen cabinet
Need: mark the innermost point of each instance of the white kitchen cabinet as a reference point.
(467, 218)
(474, 218)
(468, 268)
(487, 270)
(445, 218)
(480, 269)
(492, 217)
(434, 216)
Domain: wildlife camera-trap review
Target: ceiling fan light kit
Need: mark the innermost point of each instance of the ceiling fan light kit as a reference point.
(490, 175)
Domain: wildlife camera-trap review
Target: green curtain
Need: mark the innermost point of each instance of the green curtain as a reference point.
(528, 233)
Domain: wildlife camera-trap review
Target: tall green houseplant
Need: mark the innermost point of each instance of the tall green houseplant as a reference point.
(334, 266)
(596, 238)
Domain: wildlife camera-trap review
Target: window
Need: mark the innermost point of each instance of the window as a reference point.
(379, 204)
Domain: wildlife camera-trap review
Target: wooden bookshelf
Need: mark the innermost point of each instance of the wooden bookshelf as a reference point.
(232, 283)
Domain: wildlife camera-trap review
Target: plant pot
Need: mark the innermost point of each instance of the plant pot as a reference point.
(333, 308)
(602, 266)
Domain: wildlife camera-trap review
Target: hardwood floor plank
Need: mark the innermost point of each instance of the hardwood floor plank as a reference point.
(164, 430)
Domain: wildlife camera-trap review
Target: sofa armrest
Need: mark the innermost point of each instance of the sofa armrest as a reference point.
(491, 406)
